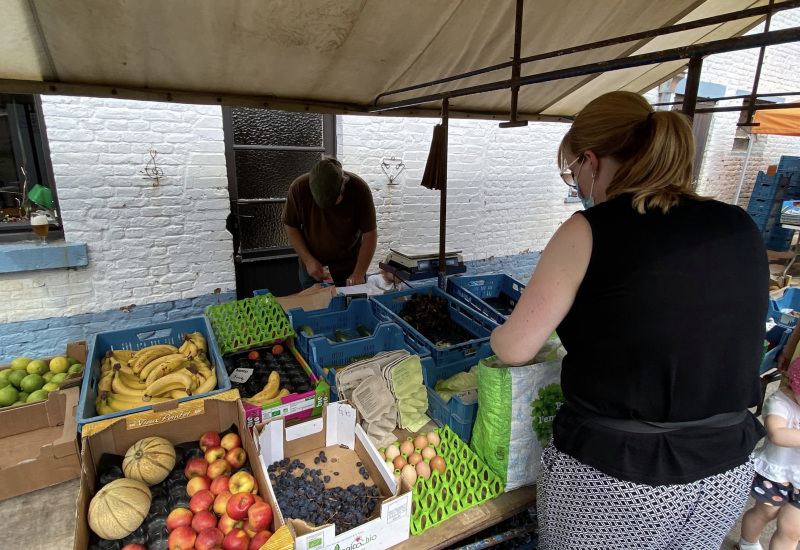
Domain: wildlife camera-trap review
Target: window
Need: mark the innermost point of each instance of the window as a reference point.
(25, 170)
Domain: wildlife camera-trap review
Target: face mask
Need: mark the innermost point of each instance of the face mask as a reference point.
(587, 202)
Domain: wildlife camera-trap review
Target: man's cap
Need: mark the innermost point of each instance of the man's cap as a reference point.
(325, 179)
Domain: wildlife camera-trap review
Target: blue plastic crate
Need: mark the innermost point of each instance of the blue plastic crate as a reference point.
(789, 163)
(789, 300)
(387, 337)
(777, 335)
(337, 303)
(769, 188)
(475, 290)
(461, 426)
(135, 339)
(324, 322)
(388, 306)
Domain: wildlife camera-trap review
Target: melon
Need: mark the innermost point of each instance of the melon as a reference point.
(149, 460)
(119, 508)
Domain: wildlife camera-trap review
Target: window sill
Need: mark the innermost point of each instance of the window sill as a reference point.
(29, 256)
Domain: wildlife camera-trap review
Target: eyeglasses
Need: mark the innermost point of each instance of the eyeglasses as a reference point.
(567, 174)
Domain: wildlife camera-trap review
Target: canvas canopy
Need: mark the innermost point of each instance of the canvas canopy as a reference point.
(784, 122)
(337, 55)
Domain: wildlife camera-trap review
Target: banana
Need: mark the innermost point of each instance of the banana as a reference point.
(149, 354)
(204, 371)
(101, 406)
(122, 355)
(174, 381)
(269, 393)
(105, 365)
(177, 394)
(156, 363)
(184, 347)
(131, 380)
(104, 384)
(120, 388)
(165, 367)
(283, 393)
(200, 341)
(192, 351)
(208, 385)
(123, 403)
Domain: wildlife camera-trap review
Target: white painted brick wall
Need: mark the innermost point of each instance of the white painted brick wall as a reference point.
(145, 244)
(720, 171)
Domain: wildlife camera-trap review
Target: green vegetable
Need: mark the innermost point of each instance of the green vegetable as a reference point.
(340, 336)
(363, 331)
(545, 407)
(307, 330)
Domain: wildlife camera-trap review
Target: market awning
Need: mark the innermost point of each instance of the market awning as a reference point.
(339, 55)
(785, 122)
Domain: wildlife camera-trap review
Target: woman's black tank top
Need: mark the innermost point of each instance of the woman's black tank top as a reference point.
(667, 326)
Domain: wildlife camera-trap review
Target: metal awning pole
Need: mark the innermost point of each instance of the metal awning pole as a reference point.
(515, 71)
(443, 197)
(692, 86)
(744, 169)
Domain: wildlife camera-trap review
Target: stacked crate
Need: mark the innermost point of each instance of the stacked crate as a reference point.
(769, 192)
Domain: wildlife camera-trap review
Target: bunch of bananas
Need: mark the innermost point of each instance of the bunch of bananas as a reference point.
(154, 374)
(270, 393)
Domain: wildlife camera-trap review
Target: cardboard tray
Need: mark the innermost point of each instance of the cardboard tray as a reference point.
(177, 422)
(75, 350)
(338, 433)
(39, 446)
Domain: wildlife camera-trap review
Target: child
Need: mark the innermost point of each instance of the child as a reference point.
(776, 487)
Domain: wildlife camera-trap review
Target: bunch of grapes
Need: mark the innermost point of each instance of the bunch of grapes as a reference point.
(545, 407)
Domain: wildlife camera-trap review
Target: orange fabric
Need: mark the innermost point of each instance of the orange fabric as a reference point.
(784, 122)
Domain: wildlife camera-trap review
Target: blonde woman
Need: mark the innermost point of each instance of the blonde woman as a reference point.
(659, 297)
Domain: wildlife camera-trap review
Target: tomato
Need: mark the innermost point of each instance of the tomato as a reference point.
(253, 355)
(277, 350)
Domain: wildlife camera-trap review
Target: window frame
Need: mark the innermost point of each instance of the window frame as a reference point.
(328, 147)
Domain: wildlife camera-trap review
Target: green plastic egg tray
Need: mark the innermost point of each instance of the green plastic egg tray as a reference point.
(466, 482)
(248, 323)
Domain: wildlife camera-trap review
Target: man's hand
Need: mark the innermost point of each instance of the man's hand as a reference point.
(356, 279)
(314, 268)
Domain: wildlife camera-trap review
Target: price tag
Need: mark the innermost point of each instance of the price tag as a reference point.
(241, 375)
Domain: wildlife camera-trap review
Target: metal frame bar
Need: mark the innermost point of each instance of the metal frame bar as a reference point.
(699, 23)
(692, 86)
(516, 68)
(751, 104)
(675, 54)
(443, 197)
(294, 149)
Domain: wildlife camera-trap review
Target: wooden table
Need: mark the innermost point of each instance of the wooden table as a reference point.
(472, 520)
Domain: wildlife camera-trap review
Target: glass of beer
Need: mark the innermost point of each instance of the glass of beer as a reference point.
(40, 226)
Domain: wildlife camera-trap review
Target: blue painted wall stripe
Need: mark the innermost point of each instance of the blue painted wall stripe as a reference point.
(30, 257)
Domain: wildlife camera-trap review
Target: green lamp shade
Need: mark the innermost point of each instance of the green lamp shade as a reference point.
(41, 195)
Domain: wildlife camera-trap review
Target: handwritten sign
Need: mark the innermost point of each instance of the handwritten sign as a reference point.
(186, 409)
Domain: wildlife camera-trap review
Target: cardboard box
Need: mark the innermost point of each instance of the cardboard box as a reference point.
(75, 350)
(38, 444)
(315, 297)
(338, 433)
(177, 422)
(295, 405)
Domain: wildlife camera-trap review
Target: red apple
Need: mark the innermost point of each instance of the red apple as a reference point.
(182, 538)
(227, 524)
(259, 540)
(202, 500)
(236, 457)
(221, 502)
(203, 520)
(242, 482)
(133, 546)
(236, 540)
(220, 484)
(209, 539)
(231, 441)
(218, 468)
(238, 505)
(179, 517)
(214, 453)
(197, 484)
(195, 467)
(258, 498)
(259, 516)
(209, 439)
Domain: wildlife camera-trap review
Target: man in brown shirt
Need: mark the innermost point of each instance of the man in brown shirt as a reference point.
(330, 221)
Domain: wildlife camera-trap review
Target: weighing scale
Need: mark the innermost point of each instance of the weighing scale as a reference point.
(421, 264)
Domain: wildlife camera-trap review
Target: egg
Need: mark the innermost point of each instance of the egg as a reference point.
(438, 464)
(391, 452)
(399, 462)
(413, 458)
(382, 454)
(420, 442)
(433, 439)
(423, 470)
(409, 473)
(406, 447)
(389, 465)
(428, 453)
